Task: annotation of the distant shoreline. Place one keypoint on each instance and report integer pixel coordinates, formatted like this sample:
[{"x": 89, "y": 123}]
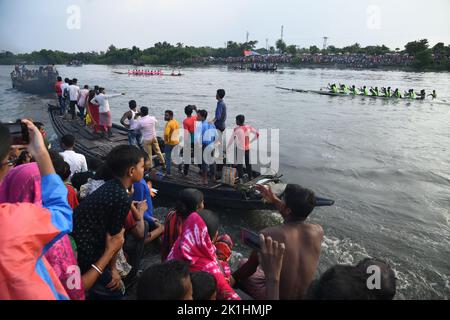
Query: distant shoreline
[{"x": 281, "y": 66}]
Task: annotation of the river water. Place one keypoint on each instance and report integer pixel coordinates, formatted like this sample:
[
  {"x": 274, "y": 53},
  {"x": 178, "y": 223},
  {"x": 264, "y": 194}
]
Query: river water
[{"x": 386, "y": 163}]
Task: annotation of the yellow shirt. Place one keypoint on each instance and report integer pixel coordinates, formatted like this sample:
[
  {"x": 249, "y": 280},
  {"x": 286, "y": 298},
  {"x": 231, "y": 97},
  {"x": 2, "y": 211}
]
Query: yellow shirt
[{"x": 171, "y": 132}]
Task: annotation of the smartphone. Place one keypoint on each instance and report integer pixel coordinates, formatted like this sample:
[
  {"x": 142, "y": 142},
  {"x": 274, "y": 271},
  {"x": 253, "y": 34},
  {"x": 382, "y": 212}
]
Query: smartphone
[
  {"x": 250, "y": 239},
  {"x": 19, "y": 133}
]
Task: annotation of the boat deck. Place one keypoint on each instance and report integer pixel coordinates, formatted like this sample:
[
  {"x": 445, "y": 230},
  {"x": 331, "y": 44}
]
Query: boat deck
[{"x": 95, "y": 147}]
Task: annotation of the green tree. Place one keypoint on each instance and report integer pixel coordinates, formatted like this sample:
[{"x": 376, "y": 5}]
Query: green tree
[
  {"x": 281, "y": 45},
  {"x": 314, "y": 49},
  {"x": 291, "y": 49},
  {"x": 413, "y": 48}
]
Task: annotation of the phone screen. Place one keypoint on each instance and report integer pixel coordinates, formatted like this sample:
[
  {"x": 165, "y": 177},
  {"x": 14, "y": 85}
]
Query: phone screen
[
  {"x": 250, "y": 239},
  {"x": 19, "y": 133}
]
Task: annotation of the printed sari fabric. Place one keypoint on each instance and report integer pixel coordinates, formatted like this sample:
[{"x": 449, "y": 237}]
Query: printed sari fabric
[{"x": 194, "y": 245}]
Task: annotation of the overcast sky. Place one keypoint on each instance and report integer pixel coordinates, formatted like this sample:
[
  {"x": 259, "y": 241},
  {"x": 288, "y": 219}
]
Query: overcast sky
[{"x": 27, "y": 25}]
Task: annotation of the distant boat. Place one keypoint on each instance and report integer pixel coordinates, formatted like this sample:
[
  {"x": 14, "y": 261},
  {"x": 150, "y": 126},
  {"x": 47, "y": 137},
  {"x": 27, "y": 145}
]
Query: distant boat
[
  {"x": 74, "y": 63},
  {"x": 36, "y": 82}
]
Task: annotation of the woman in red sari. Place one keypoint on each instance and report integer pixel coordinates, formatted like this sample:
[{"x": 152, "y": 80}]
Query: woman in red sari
[{"x": 93, "y": 112}]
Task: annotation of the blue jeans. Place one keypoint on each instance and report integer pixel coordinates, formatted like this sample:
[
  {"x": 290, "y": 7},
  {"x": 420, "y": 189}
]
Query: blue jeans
[
  {"x": 168, "y": 154},
  {"x": 135, "y": 139},
  {"x": 62, "y": 105},
  {"x": 81, "y": 113}
]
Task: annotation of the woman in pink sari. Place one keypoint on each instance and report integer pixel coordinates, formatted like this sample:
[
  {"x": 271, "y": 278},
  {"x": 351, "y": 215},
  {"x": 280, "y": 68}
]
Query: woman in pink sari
[
  {"x": 23, "y": 184},
  {"x": 195, "y": 246}
]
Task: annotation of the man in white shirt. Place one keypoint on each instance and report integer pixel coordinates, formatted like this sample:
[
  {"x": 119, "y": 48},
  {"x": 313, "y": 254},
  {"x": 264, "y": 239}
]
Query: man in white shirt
[
  {"x": 76, "y": 161},
  {"x": 74, "y": 91},
  {"x": 82, "y": 96},
  {"x": 147, "y": 126},
  {"x": 65, "y": 99},
  {"x": 104, "y": 111}
]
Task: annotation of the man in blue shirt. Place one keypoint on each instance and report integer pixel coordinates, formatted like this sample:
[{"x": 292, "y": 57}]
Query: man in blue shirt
[
  {"x": 206, "y": 135},
  {"x": 221, "y": 111}
]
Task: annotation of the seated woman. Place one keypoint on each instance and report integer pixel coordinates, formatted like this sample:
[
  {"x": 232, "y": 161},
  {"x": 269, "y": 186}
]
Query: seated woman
[
  {"x": 189, "y": 200},
  {"x": 195, "y": 245}
]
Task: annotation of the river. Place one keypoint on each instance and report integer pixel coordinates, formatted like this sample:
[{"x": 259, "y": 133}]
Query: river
[{"x": 386, "y": 163}]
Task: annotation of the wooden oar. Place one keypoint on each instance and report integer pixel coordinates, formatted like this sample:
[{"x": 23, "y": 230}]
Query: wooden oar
[{"x": 296, "y": 90}]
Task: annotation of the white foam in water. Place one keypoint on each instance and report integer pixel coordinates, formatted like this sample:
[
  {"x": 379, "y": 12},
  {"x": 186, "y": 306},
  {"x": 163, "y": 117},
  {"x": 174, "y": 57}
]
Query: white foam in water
[{"x": 343, "y": 251}]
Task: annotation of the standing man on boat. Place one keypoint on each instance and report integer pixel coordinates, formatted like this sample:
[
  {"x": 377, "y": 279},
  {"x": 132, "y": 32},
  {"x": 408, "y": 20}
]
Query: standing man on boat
[
  {"x": 171, "y": 137},
  {"x": 58, "y": 91},
  {"x": 64, "y": 95},
  {"x": 74, "y": 91},
  {"x": 241, "y": 135},
  {"x": 221, "y": 111},
  {"x": 206, "y": 136},
  {"x": 147, "y": 127},
  {"x": 82, "y": 97},
  {"x": 131, "y": 116},
  {"x": 189, "y": 130},
  {"x": 102, "y": 100}
]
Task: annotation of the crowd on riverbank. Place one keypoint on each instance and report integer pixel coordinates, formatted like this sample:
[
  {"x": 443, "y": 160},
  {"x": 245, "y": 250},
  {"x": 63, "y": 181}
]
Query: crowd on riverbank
[{"x": 86, "y": 227}]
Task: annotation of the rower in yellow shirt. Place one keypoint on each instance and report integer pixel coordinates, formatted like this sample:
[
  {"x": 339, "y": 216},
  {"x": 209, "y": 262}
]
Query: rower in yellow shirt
[{"x": 171, "y": 137}]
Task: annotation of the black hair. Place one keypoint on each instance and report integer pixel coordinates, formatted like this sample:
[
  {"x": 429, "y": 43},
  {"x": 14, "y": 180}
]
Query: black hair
[
  {"x": 104, "y": 172},
  {"x": 59, "y": 78},
  {"x": 163, "y": 281},
  {"x": 66, "y": 80},
  {"x": 388, "y": 283},
  {"x": 170, "y": 112},
  {"x": 96, "y": 87},
  {"x": 21, "y": 158},
  {"x": 240, "y": 119},
  {"x": 5, "y": 141},
  {"x": 300, "y": 200},
  {"x": 80, "y": 178},
  {"x": 70, "y": 82},
  {"x": 211, "y": 220},
  {"x": 39, "y": 125},
  {"x": 62, "y": 168},
  {"x": 204, "y": 285},
  {"x": 68, "y": 140},
  {"x": 188, "y": 110},
  {"x": 203, "y": 113},
  {"x": 86, "y": 86},
  {"x": 132, "y": 104},
  {"x": 94, "y": 164},
  {"x": 188, "y": 201},
  {"x": 74, "y": 80},
  {"x": 144, "y": 111},
  {"x": 221, "y": 93},
  {"x": 122, "y": 157},
  {"x": 100, "y": 89},
  {"x": 345, "y": 282}
]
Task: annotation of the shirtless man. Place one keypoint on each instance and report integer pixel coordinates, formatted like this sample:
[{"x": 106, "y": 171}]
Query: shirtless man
[{"x": 302, "y": 241}]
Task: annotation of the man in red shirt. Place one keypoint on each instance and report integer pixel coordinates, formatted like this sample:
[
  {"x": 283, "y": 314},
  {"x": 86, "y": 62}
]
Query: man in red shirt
[
  {"x": 242, "y": 136},
  {"x": 189, "y": 127},
  {"x": 59, "y": 92}
]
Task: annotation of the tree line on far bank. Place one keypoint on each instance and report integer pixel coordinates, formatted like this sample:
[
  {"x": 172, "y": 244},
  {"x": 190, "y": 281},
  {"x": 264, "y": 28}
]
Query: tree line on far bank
[{"x": 425, "y": 57}]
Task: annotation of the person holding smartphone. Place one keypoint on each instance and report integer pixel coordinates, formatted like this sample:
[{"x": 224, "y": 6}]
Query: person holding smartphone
[
  {"x": 24, "y": 273},
  {"x": 302, "y": 242}
]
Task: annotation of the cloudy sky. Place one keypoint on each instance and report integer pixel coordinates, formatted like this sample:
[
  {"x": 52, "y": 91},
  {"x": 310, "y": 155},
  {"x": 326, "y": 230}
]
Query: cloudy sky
[{"x": 85, "y": 25}]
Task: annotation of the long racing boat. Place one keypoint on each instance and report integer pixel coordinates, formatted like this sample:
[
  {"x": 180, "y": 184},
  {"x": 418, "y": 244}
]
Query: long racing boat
[{"x": 341, "y": 94}]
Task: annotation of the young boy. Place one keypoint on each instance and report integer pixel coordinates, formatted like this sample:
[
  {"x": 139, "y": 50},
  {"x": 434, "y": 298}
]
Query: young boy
[
  {"x": 104, "y": 211},
  {"x": 206, "y": 135},
  {"x": 242, "y": 136}
]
